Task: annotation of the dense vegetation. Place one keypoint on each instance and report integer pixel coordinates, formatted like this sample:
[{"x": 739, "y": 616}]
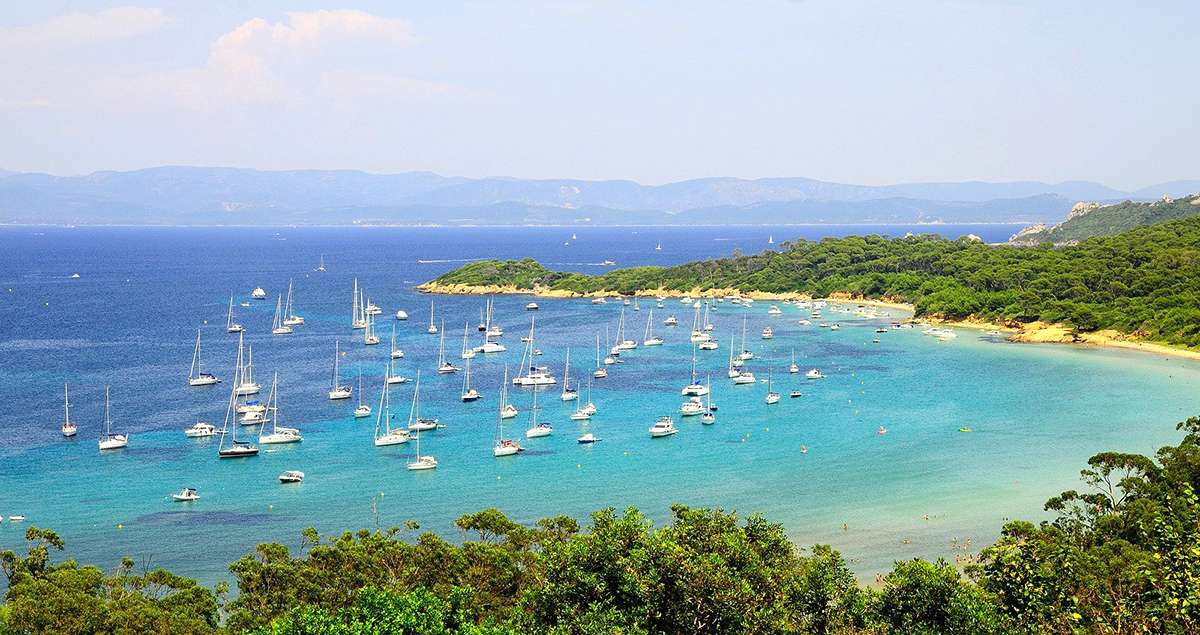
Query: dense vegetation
[
  {"x": 1123, "y": 556},
  {"x": 1145, "y": 281},
  {"x": 1112, "y": 219}
]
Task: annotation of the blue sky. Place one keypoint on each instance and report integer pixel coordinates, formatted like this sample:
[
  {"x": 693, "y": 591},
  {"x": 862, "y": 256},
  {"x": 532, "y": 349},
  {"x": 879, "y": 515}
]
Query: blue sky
[{"x": 862, "y": 92}]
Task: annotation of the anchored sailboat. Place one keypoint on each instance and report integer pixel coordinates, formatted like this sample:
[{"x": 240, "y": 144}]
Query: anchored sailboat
[
  {"x": 504, "y": 446},
  {"x": 235, "y": 449},
  {"x": 694, "y": 388},
  {"x": 277, "y": 325},
  {"x": 111, "y": 441},
  {"x": 396, "y": 352},
  {"x": 230, "y": 325},
  {"x": 416, "y": 422},
  {"x": 537, "y": 429},
  {"x": 568, "y": 393},
  {"x": 363, "y": 410},
  {"x": 444, "y": 365},
  {"x": 197, "y": 377},
  {"x": 650, "y": 339},
  {"x": 384, "y": 434},
  {"x": 601, "y": 372},
  {"x": 245, "y": 385},
  {"x": 358, "y": 317},
  {"x": 68, "y": 427},
  {"x": 469, "y": 393},
  {"x": 336, "y": 389},
  {"x": 278, "y": 433},
  {"x": 433, "y": 329},
  {"x": 289, "y": 310}
]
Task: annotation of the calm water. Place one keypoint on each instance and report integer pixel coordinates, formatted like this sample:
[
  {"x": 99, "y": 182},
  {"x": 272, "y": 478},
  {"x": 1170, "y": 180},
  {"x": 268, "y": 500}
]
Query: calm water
[{"x": 130, "y": 320}]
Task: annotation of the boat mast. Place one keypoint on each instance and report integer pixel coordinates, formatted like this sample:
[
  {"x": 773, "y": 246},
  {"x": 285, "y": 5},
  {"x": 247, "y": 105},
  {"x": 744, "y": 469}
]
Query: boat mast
[{"x": 195, "y": 369}]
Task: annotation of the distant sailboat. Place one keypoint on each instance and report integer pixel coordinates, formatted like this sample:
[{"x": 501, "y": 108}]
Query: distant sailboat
[
  {"x": 278, "y": 433},
  {"x": 600, "y": 372},
  {"x": 384, "y": 434},
  {"x": 336, "y": 389},
  {"x": 230, "y": 325},
  {"x": 415, "y": 421},
  {"x": 358, "y": 317},
  {"x": 534, "y": 375},
  {"x": 433, "y": 329},
  {"x": 396, "y": 352},
  {"x": 369, "y": 336},
  {"x": 504, "y": 446},
  {"x": 289, "y": 310},
  {"x": 467, "y": 352},
  {"x": 277, "y": 325},
  {"x": 694, "y": 388},
  {"x": 649, "y": 338},
  {"x": 321, "y": 267},
  {"x": 245, "y": 384},
  {"x": 444, "y": 365},
  {"x": 69, "y": 429},
  {"x": 469, "y": 393},
  {"x": 363, "y": 410},
  {"x": 111, "y": 441},
  {"x": 568, "y": 393},
  {"x": 235, "y": 449},
  {"x": 537, "y": 429},
  {"x": 772, "y": 396},
  {"x": 197, "y": 377}
]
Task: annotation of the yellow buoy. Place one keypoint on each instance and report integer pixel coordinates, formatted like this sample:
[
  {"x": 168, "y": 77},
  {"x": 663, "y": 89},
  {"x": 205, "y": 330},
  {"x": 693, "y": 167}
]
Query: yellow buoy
[{"x": 120, "y": 526}]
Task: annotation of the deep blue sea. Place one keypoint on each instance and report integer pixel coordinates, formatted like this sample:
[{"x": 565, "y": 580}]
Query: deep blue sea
[{"x": 129, "y": 321}]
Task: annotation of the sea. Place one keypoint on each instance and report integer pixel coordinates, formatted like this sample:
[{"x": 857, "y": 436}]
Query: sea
[{"x": 119, "y": 307}]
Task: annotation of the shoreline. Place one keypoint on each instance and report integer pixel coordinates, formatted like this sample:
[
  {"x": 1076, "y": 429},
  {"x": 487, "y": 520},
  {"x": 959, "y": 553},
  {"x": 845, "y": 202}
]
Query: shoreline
[{"x": 1032, "y": 333}]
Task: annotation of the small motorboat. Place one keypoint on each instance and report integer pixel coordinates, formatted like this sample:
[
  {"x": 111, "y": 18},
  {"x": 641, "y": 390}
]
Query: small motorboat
[
  {"x": 768, "y": 333},
  {"x": 16, "y": 519},
  {"x": 804, "y": 449},
  {"x": 587, "y": 438},
  {"x": 794, "y": 394},
  {"x": 671, "y": 320},
  {"x": 664, "y": 427},
  {"x": 814, "y": 374},
  {"x": 964, "y": 429},
  {"x": 258, "y": 294},
  {"x": 835, "y": 326},
  {"x": 708, "y": 418},
  {"x": 401, "y": 315},
  {"x": 532, "y": 306},
  {"x": 186, "y": 495},
  {"x": 200, "y": 429},
  {"x": 882, "y": 431},
  {"x": 291, "y": 476}
]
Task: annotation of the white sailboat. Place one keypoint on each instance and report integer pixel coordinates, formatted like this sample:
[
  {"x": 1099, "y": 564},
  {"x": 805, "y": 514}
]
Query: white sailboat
[
  {"x": 321, "y": 267},
  {"x": 235, "y": 449},
  {"x": 623, "y": 344},
  {"x": 433, "y": 329},
  {"x": 507, "y": 410},
  {"x": 336, "y": 389},
  {"x": 358, "y": 318},
  {"x": 369, "y": 336},
  {"x": 708, "y": 418},
  {"x": 734, "y": 364},
  {"x": 69, "y": 429},
  {"x": 568, "y": 393},
  {"x": 197, "y": 377},
  {"x": 534, "y": 375},
  {"x": 772, "y": 396},
  {"x": 245, "y": 384},
  {"x": 363, "y": 410},
  {"x": 694, "y": 388},
  {"x": 649, "y": 338},
  {"x": 503, "y": 446},
  {"x": 601, "y": 372},
  {"x": 278, "y": 433},
  {"x": 469, "y": 393},
  {"x": 746, "y": 353},
  {"x": 467, "y": 352},
  {"x": 793, "y": 368},
  {"x": 230, "y": 325},
  {"x": 110, "y": 441},
  {"x": 277, "y": 325},
  {"x": 289, "y": 310},
  {"x": 396, "y": 352},
  {"x": 391, "y": 377},
  {"x": 444, "y": 365},
  {"x": 537, "y": 429},
  {"x": 698, "y": 334},
  {"x": 384, "y": 434},
  {"x": 427, "y": 462},
  {"x": 417, "y": 423}
]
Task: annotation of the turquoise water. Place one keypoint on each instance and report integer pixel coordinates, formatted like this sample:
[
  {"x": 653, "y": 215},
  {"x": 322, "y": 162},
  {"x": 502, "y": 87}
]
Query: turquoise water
[{"x": 1037, "y": 412}]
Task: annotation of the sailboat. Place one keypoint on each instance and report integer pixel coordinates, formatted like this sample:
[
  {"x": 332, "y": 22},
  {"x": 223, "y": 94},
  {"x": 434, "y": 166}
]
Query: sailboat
[
  {"x": 537, "y": 429},
  {"x": 507, "y": 410},
  {"x": 534, "y": 375},
  {"x": 694, "y": 388},
  {"x": 444, "y": 365},
  {"x": 771, "y": 240},
  {"x": 321, "y": 267},
  {"x": 584, "y": 413},
  {"x": 468, "y": 353},
  {"x": 568, "y": 393},
  {"x": 289, "y": 310},
  {"x": 658, "y": 247},
  {"x": 196, "y": 377},
  {"x": 734, "y": 364},
  {"x": 68, "y": 427},
  {"x": 277, "y": 325},
  {"x": 433, "y": 329},
  {"x": 363, "y": 410},
  {"x": 649, "y": 338},
  {"x": 622, "y": 343},
  {"x": 393, "y": 378},
  {"x": 235, "y": 449},
  {"x": 246, "y": 384},
  {"x": 384, "y": 434},
  {"x": 416, "y": 422},
  {"x": 698, "y": 334},
  {"x": 230, "y": 325},
  {"x": 708, "y": 326},
  {"x": 336, "y": 389},
  {"x": 793, "y": 369},
  {"x": 278, "y": 433},
  {"x": 503, "y": 446},
  {"x": 111, "y": 441},
  {"x": 708, "y": 418},
  {"x": 369, "y": 336},
  {"x": 427, "y": 462},
  {"x": 772, "y": 396},
  {"x": 745, "y": 354},
  {"x": 469, "y": 393},
  {"x": 490, "y": 330},
  {"x": 358, "y": 317},
  {"x": 396, "y": 352},
  {"x": 601, "y": 372}
]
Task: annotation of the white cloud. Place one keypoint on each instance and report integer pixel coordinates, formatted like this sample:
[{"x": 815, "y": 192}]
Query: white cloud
[{"x": 81, "y": 29}]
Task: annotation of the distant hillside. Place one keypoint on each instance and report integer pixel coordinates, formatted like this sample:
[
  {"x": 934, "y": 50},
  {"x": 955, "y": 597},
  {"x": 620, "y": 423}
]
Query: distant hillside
[
  {"x": 1088, "y": 220},
  {"x": 234, "y": 196}
]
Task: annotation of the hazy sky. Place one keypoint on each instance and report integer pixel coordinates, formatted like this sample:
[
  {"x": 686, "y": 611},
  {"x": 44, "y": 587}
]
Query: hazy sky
[{"x": 862, "y": 92}]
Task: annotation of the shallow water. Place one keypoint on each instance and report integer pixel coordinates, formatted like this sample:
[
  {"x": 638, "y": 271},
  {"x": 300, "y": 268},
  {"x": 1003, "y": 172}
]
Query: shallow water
[{"x": 1037, "y": 412}]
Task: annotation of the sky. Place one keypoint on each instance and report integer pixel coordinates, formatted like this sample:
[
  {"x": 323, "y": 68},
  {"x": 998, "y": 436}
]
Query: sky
[{"x": 654, "y": 91}]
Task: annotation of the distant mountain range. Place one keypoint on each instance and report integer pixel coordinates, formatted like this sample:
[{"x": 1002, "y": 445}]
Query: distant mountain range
[{"x": 232, "y": 196}]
